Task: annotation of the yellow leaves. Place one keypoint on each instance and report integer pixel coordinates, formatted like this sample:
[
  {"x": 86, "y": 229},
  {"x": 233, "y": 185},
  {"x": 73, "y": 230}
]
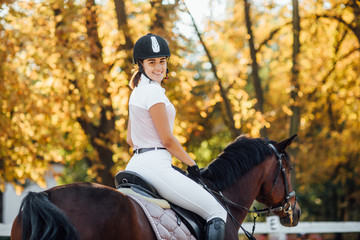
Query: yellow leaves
[
  {"x": 217, "y": 98},
  {"x": 192, "y": 155},
  {"x": 18, "y": 189},
  {"x": 348, "y": 15},
  {"x": 203, "y": 114},
  {"x": 287, "y": 110},
  {"x": 237, "y": 119},
  {"x": 53, "y": 59}
]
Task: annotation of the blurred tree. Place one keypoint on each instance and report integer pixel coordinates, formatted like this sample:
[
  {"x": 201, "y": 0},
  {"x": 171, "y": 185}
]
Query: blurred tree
[
  {"x": 254, "y": 63},
  {"x": 329, "y": 153},
  {"x": 229, "y": 116},
  {"x": 294, "y": 102}
]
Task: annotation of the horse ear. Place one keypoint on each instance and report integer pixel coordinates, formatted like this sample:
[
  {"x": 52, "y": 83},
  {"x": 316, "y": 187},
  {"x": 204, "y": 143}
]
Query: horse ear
[{"x": 283, "y": 145}]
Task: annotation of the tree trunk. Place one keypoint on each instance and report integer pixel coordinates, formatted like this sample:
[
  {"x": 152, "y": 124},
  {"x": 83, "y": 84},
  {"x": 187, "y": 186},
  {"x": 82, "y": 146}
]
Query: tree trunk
[
  {"x": 294, "y": 97},
  {"x": 100, "y": 134},
  {"x": 128, "y": 47},
  {"x": 101, "y": 137},
  {"x": 158, "y": 25},
  {"x": 255, "y": 67},
  {"x": 124, "y": 28}
]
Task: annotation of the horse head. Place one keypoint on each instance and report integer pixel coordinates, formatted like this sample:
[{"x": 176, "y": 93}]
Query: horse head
[
  {"x": 276, "y": 190},
  {"x": 254, "y": 168}
]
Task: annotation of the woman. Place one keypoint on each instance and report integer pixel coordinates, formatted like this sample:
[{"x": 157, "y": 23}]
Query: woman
[{"x": 151, "y": 120}]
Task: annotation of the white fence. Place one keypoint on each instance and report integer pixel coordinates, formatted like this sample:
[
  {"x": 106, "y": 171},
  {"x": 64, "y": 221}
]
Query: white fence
[
  {"x": 5, "y": 230},
  {"x": 272, "y": 225}
]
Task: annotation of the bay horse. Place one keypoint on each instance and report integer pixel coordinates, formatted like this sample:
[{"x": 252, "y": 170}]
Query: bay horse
[{"x": 247, "y": 169}]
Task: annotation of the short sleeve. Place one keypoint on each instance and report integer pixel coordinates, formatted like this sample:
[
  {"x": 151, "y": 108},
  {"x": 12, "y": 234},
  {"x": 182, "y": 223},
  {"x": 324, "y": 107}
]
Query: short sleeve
[{"x": 155, "y": 94}]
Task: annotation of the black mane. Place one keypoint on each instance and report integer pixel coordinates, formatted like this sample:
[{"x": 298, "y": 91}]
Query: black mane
[{"x": 237, "y": 158}]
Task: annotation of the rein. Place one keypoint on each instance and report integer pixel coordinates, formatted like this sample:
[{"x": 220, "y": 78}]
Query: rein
[{"x": 285, "y": 207}]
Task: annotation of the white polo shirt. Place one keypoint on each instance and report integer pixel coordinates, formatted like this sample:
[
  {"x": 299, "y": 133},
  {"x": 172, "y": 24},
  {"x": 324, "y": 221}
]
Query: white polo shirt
[{"x": 145, "y": 95}]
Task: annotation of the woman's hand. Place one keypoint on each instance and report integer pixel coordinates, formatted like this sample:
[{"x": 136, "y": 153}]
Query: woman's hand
[{"x": 194, "y": 173}]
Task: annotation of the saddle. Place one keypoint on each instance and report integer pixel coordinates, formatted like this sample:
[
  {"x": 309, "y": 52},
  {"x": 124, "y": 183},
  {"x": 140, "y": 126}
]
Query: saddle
[{"x": 129, "y": 179}]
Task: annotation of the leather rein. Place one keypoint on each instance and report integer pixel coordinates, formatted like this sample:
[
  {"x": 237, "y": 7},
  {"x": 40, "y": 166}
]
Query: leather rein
[{"x": 283, "y": 206}]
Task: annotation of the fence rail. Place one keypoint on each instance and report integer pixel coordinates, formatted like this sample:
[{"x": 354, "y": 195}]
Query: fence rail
[
  {"x": 5, "y": 230},
  {"x": 272, "y": 226}
]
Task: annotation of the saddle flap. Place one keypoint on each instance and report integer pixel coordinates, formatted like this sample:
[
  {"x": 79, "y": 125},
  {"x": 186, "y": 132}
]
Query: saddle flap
[{"x": 192, "y": 221}]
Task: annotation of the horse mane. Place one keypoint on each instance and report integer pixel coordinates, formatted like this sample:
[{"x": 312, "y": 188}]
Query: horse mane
[{"x": 237, "y": 158}]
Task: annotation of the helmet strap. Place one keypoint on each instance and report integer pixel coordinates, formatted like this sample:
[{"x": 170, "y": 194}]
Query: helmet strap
[{"x": 141, "y": 69}]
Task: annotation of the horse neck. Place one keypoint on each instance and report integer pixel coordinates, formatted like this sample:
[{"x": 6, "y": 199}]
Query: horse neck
[{"x": 244, "y": 191}]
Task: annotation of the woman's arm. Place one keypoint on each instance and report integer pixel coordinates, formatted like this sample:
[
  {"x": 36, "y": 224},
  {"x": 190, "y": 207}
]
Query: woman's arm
[
  {"x": 128, "y": 137},
  {"x": 160, "y": 119}
]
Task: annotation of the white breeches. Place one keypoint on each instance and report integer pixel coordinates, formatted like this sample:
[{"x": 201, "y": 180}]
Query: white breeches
[{"x": 155, "y": 167}]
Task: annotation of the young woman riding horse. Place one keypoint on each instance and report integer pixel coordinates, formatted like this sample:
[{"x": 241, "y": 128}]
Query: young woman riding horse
[
  {"x": 151, "y": 119},
  {"x": 247, "y": 169}
]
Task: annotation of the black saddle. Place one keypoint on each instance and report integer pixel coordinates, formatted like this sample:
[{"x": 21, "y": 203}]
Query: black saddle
[{"x": 137, "y": 183}]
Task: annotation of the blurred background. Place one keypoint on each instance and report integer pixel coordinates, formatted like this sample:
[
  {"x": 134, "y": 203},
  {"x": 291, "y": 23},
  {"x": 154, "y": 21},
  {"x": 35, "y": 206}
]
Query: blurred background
[{"x": 262, "y": 68}]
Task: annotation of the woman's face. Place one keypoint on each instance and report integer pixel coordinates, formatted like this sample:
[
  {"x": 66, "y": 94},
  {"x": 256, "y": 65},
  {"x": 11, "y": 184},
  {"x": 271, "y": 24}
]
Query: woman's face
[{"x": 155, "y": 68}]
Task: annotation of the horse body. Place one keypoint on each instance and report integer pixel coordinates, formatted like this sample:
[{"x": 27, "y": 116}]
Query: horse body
[
  {"x": 97, "y": 212},
  {"x": 100, "y": 212}
]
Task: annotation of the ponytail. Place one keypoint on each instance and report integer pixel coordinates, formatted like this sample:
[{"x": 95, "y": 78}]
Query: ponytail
[
  {"x": 134, "y": 81},
  {"x": 135, "y": 78}
]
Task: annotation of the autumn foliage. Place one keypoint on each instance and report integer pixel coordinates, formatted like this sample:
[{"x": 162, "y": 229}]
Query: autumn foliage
[{"x": 264, "y": 69}]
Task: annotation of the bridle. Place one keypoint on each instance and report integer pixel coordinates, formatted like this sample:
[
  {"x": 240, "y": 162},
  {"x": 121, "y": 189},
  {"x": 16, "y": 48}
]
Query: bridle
[{"x": 283, "y": 206}]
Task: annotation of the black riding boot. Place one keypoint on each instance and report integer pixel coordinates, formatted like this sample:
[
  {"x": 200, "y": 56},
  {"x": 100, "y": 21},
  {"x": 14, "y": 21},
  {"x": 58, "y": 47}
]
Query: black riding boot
[{"x": 215, "y": 229}]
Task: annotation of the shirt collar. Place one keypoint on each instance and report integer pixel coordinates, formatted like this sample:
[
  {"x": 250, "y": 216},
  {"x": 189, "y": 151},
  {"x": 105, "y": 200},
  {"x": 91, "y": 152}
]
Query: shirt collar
[{"x": 146, "y": 81}]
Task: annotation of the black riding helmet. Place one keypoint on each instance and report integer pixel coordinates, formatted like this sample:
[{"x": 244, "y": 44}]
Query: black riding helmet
[{"x": 150, "y": 46}]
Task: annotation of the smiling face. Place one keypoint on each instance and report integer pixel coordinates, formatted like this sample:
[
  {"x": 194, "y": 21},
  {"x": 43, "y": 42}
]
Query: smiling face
[{"x": 155, "y": 68}]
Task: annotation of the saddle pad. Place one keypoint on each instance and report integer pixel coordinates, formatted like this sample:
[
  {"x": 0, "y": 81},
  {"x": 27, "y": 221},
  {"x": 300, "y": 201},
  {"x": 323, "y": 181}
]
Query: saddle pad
[
  {"x": 166, "y": 225},
  {"x": 161, "y": 202}
]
